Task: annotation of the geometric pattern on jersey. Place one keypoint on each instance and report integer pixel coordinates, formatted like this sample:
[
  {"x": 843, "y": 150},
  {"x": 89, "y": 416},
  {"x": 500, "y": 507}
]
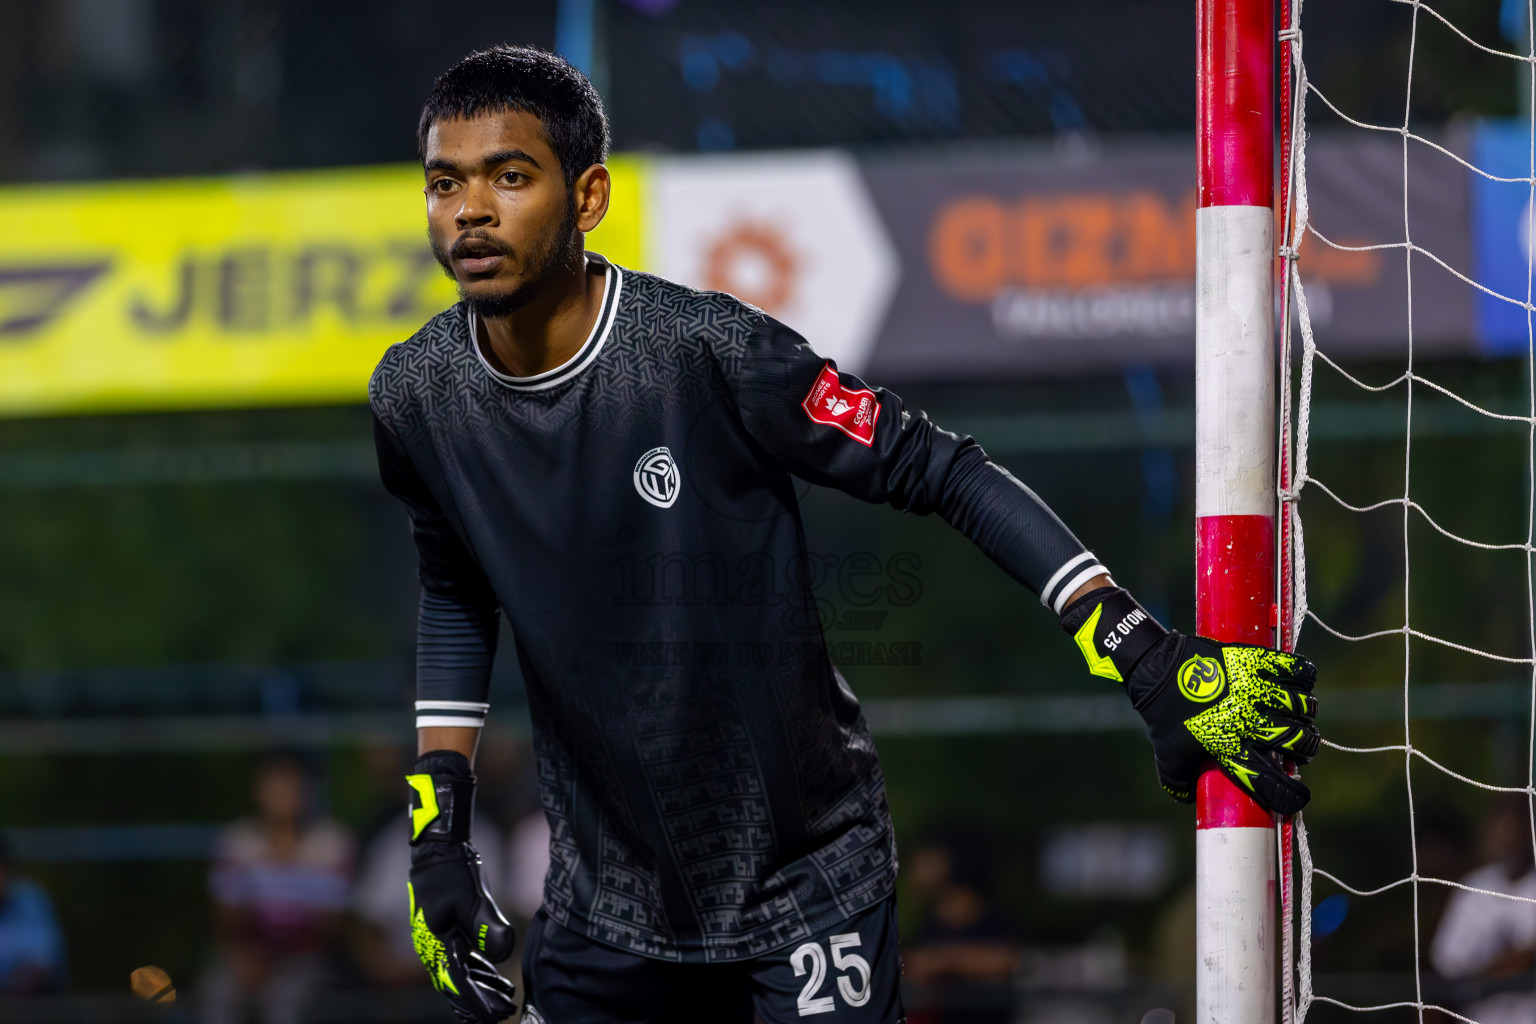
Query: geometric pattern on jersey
[
  {"x": 711, "y": 786},
  {"x": 699, "y": 812}
]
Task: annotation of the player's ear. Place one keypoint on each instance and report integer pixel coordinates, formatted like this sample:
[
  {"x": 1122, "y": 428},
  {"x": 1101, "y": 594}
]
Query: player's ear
[{"x": 590, "y": 194}]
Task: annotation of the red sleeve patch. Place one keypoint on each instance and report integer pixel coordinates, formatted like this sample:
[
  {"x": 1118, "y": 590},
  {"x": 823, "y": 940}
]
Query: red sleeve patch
[{"x": 854, "y": 412}]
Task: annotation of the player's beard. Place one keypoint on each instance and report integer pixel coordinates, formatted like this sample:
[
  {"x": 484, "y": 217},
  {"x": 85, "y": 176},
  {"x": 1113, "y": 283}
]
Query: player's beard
[{"x": 546, "y": 256}]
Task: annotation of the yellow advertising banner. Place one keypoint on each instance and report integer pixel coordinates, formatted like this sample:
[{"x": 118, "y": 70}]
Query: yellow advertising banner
[{"x": 268, "y": 289}]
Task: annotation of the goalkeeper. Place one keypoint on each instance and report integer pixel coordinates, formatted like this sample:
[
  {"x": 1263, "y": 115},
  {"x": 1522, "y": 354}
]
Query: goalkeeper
[{"x": 607, "y": 459}]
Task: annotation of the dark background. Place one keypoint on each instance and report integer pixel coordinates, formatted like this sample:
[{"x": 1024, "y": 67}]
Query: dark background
[
  {"x": 132, "y": 88},
  {"x": 283, "y": 597}
]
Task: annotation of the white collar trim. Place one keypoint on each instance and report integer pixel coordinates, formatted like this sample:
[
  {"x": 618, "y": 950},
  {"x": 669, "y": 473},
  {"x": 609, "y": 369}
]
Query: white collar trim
[{"x": 613, "y": 284}]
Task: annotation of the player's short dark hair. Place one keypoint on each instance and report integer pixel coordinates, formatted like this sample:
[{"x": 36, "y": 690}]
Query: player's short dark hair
[{"x": 531, "y": 80}]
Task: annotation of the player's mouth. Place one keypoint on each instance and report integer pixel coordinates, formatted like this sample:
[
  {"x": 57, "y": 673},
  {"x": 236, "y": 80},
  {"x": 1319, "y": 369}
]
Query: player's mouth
[
  {"x": 477, "y": 256},
  {"x": 480, "y": 264}
]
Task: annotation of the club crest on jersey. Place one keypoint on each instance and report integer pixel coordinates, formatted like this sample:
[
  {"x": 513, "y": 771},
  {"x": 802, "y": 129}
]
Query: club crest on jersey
[
  {"x": 656, "y": 477},
  {"x": 854, "y": 412}
]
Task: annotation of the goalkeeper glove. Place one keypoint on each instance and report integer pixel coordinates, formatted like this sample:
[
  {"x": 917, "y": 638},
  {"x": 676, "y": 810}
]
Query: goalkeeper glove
[
  {"x": 457, "y": 930},
  {"x": 1244, "y": 707}
]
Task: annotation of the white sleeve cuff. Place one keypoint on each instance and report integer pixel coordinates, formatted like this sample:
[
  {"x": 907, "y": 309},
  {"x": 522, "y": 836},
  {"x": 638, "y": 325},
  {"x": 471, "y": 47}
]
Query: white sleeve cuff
[
  {"x": 1065, "y": 581},
  {"x": 461, "y": 713}
]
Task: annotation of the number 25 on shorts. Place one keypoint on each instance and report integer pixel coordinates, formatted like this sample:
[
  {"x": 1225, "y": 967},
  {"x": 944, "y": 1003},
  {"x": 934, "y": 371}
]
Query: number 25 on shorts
[{"x": 811, "y": 957}]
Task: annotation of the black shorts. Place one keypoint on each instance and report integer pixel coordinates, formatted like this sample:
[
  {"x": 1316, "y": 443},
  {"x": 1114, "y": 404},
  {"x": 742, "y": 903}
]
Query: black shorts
[{"x": 849, "y": 974}]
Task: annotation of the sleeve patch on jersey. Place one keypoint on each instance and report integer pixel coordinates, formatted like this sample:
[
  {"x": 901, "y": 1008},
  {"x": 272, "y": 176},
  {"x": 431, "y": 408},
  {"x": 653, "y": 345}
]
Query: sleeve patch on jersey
[{"x": 854, "y": 412}]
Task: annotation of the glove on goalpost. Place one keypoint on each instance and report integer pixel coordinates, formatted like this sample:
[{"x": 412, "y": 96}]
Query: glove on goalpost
[
  {"x": 1244, "y": 707},
  {"x": 455, "y": 925}
]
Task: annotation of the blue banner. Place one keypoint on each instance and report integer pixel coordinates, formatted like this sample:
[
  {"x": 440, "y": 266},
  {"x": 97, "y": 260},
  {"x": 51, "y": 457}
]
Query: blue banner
[{"x": 1501, "y": 235}]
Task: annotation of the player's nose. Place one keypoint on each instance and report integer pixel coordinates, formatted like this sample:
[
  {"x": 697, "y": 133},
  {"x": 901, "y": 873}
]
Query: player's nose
[{"x": 476, "y": 210}]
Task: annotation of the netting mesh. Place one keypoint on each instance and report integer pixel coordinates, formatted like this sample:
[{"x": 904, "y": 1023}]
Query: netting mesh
[{"x": 1305, "y": 356}]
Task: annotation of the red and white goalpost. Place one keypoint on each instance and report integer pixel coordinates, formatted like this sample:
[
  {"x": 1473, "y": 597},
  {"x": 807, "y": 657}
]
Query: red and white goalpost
[{"x": 1236, "y": 937}]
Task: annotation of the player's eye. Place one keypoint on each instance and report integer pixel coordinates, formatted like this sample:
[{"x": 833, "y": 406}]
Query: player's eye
[
  {"x": 513, "y": 178},
  {"x": 442, "y": 186}
]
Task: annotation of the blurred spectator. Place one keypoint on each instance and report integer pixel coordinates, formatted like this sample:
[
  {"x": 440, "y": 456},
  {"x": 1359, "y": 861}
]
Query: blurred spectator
[
  {"x": 1444, "y": 836},
  {"x": 31, "y": 945},
  {"x": 1444, "y": 841},
  {"x": 279, "y": 885},
  {"x": 964, "y": 945},
  {"x": 1486, "y": 937},
  {"x": 378, "y": 937}
]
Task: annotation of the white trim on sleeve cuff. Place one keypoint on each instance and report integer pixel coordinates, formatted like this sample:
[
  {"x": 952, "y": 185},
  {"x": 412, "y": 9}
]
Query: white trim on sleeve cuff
[
  {"x": 453, "y": 705},
  {"x": 1064, "y": 581},
  {"x": 1070, "y": 587}
]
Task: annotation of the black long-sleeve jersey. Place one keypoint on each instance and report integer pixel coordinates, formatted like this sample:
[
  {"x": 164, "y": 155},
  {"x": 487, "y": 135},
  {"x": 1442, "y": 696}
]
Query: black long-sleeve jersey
[{"x": 711, "y": 787}]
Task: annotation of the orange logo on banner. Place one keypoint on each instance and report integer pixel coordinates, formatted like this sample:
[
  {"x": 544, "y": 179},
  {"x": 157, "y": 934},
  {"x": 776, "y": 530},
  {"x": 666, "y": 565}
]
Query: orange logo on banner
[
  {"x": 980, "y": 245},
  {"x": 754, "y": 263}
]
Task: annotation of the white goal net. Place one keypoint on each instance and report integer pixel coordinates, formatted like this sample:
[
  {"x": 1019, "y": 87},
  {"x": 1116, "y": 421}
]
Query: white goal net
[{"x": 1413, "y": 577}]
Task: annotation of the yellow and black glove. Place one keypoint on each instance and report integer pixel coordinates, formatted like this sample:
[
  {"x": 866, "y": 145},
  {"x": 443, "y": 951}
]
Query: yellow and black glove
[
  {"x": 1242, "y": 706},
  {"x": 456, "y": 927}
]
